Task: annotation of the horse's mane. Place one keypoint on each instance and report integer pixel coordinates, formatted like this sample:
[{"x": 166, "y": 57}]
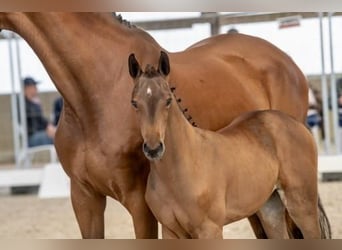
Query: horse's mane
[
  {"x": 151, "y": 72},
  {"x": 123, "y": 21}
]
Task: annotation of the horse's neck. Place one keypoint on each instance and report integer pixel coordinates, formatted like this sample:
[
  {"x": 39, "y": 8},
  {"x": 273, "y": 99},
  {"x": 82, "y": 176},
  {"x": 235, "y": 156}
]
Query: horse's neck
[
  {"x": 58, "y": 39},
  {"x": 85, "y": 55}
]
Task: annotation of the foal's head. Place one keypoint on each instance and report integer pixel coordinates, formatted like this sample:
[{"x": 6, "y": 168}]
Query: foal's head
[{"x": 151, "y": 98}]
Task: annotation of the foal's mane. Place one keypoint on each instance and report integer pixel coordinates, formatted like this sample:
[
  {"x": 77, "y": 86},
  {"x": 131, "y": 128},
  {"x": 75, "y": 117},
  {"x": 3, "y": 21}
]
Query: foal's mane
[{"x": 151, "y": 72}]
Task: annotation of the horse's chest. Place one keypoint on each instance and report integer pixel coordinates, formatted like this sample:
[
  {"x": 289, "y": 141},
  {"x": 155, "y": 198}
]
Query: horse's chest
[
  {"x": 173, "y": 206},
  {"x": 159, "y": 197},
  {"x": 109, "y": 174},
  {"x": 168, "y": 211}
]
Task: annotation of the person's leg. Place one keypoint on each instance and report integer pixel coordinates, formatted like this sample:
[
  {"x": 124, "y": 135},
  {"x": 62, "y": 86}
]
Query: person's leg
[{"x": 39, "y": 138}]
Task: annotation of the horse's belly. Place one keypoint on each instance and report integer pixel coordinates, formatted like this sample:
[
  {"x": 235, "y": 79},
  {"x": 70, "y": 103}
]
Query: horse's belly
[{"x": 247, "y": 198}]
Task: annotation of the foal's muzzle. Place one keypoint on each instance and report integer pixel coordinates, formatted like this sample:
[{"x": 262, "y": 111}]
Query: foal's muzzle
[{"x": 154, "y": 153}]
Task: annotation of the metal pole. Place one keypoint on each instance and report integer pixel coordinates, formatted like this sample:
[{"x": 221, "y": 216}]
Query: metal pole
[
  {"x": 14, "y": 105},
  {"x": 325, "y": 103},
  {"x": 215, "y": 26},
  {"x": 22, "y": 108},
  {"x": 333, "y": 89}
]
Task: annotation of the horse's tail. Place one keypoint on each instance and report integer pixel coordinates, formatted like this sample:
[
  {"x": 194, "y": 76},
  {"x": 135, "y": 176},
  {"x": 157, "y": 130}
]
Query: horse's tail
[
  {"x": 323, "y": 222},
  {"x": 295, "y": 233}
]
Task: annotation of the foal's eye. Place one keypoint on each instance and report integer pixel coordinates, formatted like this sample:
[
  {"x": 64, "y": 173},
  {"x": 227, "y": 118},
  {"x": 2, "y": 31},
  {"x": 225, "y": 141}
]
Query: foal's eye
[
  {"x": 134, "y": 104},
  {"x": 168, "y": 102}
]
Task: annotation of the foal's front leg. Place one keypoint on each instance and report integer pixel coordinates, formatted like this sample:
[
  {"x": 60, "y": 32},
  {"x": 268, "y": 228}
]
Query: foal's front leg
[{"x": 208, "y": 230}]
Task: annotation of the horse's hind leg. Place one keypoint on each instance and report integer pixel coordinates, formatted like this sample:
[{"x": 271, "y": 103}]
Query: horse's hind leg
[
  {"x": 302, "y": 205},
  {"x": 272, "y": 218},
  {"x": 269, "y": 221},
  {"x": 257, "y": 227}
]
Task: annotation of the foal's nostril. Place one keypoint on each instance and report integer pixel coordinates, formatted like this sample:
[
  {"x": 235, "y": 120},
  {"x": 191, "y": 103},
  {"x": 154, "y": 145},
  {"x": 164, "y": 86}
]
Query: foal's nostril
[{"x": 153, "y": 153}]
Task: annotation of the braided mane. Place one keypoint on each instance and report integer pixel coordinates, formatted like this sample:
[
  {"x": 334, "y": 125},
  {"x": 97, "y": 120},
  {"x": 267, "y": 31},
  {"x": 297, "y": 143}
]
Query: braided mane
[
  {"x": 150, "y": 72},
  {"x": 123, "y": 21}
]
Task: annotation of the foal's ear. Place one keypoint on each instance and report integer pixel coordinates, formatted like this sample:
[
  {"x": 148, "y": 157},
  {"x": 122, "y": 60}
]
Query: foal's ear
[
  {"x": 134, "y": 67},
  {"x": 164, "y": 64}
]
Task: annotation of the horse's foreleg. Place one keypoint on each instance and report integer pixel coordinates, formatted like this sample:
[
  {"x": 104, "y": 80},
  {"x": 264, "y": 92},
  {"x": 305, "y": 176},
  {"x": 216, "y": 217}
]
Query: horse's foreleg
[
  {"x": 145, "y": 224},
  {"x": 89, "y": 208}
]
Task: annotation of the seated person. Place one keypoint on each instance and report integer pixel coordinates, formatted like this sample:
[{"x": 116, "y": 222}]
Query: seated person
[{"x": 39, "y": 130}]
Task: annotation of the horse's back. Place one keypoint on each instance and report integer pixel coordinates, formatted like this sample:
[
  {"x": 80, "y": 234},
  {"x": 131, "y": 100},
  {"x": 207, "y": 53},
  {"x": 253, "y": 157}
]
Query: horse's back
[
  {"x": 279, "y": 134},
  {"x": 287, "y": 130},
  {"x": 296, "y": 146},
  {"x": 249, "y": 74}
]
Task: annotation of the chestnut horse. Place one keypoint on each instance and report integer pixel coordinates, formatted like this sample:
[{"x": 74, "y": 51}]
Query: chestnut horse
[
  {"x": 201, "y": 180},
  {"x": 98, "y": 141}
]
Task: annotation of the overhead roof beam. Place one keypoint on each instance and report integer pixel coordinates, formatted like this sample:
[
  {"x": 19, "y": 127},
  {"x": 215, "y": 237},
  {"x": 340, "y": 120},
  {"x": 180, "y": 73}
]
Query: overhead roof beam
[{"x": 223, "y": 19}]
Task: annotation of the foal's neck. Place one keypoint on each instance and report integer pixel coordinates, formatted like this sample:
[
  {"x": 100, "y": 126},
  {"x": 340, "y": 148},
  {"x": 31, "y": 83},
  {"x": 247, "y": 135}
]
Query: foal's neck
[{"x": 179, "y": 136}]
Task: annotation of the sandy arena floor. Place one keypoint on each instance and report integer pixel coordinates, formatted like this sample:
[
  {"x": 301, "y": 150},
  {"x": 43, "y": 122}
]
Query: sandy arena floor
[{"x": 27, "y": 216}]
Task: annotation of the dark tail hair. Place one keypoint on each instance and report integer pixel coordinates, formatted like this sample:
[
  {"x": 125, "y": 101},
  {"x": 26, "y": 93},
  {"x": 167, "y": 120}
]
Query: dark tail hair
[{"x": 323, "y": 221}]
